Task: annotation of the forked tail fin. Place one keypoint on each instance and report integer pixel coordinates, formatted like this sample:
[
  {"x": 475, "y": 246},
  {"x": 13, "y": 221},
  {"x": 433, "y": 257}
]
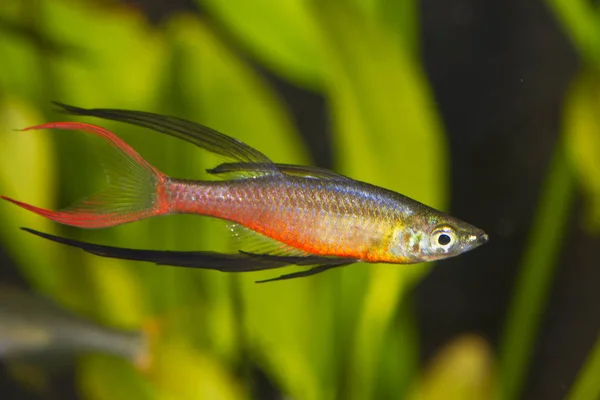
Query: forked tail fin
[{"x": 136, "y": 189}]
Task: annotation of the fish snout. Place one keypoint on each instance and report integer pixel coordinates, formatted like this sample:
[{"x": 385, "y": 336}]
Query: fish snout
[
  {"x": 482, "y": 238},
  {"x": 474, "y": 239}
]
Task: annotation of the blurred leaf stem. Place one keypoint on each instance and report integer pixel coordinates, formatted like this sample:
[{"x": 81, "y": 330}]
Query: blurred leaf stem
[
  {"x": 535, "y": 274},
  {"x": 579, "y": 19},
  {"x": 587, "y": 385}
]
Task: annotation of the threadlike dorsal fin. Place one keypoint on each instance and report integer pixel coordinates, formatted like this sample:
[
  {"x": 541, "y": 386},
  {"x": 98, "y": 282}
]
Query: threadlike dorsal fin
[
  {"x": 200, "y": 135},
  {"x": 242, "y": 169}
]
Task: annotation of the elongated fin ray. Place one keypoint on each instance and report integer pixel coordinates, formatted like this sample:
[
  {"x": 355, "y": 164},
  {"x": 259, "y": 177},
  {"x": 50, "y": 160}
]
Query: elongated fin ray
[
  {"x": 242, "y": 262},
  {"x": 301, "y": 274},
  {"x": 200, "y": 135},
  {"x": 242, "y": 169}
]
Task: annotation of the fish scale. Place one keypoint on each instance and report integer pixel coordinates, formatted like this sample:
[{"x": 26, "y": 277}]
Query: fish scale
[{"x": 327, "y": 218}]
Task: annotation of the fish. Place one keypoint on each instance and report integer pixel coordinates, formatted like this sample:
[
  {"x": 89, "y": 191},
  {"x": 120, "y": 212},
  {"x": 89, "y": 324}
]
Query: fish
[
  {"x": 34, "y": 328},
  {"x": 310, "y": 216}
]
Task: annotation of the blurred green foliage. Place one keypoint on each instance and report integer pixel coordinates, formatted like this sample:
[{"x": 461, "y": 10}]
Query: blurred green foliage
[
  {"x": 344, "y": 334},
  {"x": 580, "y": 21},
  {"x": 535, "y": 274},
  {"x": 576, "y": 155}
]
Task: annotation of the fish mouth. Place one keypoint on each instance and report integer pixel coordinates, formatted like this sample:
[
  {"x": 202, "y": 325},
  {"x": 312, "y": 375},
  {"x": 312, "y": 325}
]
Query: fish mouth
[
  {"x": 477, "y": 239},
  {"x": 482, "y": 238}
]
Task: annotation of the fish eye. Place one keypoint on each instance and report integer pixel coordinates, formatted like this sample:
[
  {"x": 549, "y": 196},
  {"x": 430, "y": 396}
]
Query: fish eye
[{"x": 443, "y": 238}]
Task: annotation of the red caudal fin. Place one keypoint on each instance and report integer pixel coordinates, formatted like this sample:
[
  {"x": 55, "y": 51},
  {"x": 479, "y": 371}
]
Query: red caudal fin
[{"x": 136, "y": 189}]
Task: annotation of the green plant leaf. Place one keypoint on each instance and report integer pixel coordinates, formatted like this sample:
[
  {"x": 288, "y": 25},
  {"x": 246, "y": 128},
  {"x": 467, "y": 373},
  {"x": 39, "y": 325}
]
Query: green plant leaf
[
  {"x": 399, "y": 16},
  {"x": 582, "y": 138},
  {"x": 27, "y": 173},
  {"x": 118, "y": 62},
  {"x": 280, "y": 34},
  {"x": 587, "y": 385},
  {"x": 402, "y": 17},
  {"x": 196, "y": 375},
  {"x": 580, "y": 21},
  {"x": 102, "y": 377},
  {"x": 22, "y": 74},
  {"x": 463, "y": 369},
  {"x": 535, "y": 273}
]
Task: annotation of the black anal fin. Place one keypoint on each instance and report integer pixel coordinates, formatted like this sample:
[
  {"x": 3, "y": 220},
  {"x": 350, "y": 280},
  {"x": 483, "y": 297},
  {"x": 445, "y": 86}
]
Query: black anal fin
[{"x": 241, "y": 262}]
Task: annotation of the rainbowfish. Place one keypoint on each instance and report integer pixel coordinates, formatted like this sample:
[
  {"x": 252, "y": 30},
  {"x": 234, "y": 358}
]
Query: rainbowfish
[
  {"x": 314, "y": 217},
  {"x": 32, "y": 327}
]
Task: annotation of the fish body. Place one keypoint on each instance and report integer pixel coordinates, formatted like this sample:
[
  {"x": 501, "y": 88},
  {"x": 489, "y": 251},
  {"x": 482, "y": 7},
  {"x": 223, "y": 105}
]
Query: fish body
[
  {"x": 32, "y": 327},
  {"x": 343, "y": 218},
  {"x": 329, "y": 218},
  {"x": 314, "y": 216}
]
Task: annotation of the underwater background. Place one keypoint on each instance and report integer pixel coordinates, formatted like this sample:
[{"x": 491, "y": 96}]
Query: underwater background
[{"x": 485, "y": 109}]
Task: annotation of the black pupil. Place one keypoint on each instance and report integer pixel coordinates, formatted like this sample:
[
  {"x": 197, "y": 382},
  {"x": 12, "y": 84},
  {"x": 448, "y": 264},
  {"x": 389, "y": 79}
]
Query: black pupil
[{"x": 444, "y": 239}]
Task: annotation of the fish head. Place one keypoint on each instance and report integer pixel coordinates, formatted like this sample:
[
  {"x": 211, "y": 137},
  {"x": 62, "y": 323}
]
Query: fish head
[{"x": 435, "y": 236}]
